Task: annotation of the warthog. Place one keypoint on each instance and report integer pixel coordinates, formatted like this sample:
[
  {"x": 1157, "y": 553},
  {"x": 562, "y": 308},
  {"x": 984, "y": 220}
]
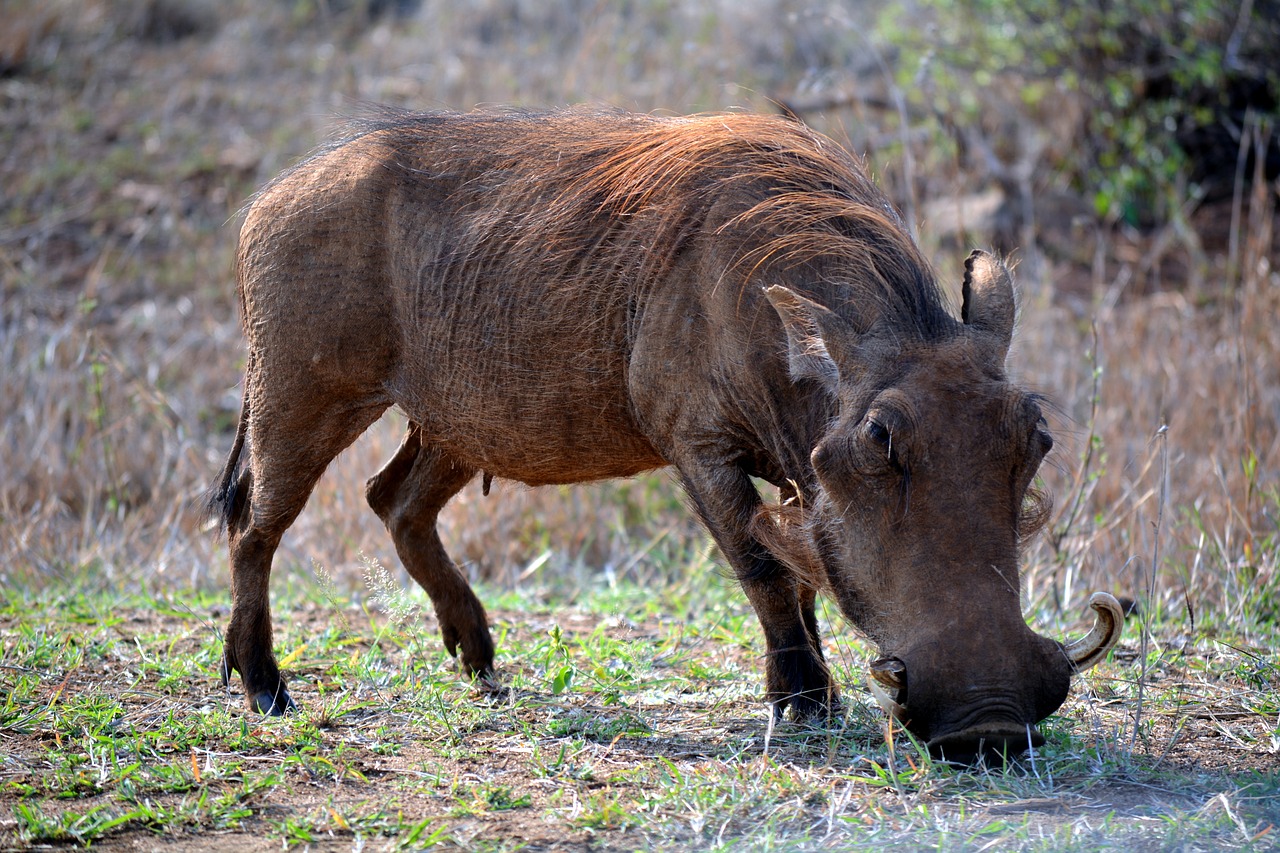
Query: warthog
[{"x": 577, "y": 295}]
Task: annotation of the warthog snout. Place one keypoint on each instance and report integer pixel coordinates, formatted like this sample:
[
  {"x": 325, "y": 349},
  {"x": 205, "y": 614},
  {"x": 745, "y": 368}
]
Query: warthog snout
[{"x": 997, "y": 703}]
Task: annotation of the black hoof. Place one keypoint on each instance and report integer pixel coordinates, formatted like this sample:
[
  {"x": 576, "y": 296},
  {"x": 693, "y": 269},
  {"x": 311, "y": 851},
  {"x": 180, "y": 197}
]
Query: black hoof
[
  {"x": 274, "y": 704},
  {"x": 809, "y": 707},
  {"x": 488, "y": 689}
]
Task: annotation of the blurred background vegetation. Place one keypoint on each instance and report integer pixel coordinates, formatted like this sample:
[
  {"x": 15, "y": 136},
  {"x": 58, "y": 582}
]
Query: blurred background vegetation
[
  {"x": 1124, "y": 153},
  {"x": 1168, "y": 92}
]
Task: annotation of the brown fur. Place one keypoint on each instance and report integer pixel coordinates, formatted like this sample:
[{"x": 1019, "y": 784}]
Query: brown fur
[{"x": 567, "y": 296}]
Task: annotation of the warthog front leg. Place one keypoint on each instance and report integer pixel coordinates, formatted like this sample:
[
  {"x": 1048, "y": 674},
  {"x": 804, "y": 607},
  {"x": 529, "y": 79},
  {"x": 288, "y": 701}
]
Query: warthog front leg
[
  {"x": 796, "y": 674},
  {"x": 408, "y": 495}
]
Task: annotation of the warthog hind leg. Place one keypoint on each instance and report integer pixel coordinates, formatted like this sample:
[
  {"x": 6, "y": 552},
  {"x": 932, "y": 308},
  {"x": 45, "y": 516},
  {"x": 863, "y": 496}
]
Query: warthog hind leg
[
  {"x": 408, "y": 494},
  {"x": 289, "y": 451}
]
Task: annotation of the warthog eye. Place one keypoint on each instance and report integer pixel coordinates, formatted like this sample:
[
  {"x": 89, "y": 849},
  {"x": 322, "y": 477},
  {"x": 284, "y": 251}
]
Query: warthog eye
[
  {"x": 1046, "y": 441},
  {"x": 878, "y": 433},
  {"x": 882, "y": 443},
  {"x": 1041, "y": 434}
]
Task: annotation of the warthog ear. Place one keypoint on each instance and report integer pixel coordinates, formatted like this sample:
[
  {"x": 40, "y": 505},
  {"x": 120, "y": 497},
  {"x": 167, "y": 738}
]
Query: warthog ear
[
  {"x": 818, "y": 340},
  {"x": 988, "y": 305}
]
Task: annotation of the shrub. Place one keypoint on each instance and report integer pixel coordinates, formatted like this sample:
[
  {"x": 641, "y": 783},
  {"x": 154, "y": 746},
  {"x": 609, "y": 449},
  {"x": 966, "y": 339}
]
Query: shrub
[{"x": 1167, "y": 88}]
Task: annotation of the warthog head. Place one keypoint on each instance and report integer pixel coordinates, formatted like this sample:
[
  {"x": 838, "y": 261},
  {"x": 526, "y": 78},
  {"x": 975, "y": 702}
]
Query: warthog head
[{"x": 923, "y": 495}]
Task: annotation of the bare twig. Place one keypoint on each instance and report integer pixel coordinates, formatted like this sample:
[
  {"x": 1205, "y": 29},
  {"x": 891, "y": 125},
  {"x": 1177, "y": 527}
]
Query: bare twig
[{"x": 1145, "y": 642}]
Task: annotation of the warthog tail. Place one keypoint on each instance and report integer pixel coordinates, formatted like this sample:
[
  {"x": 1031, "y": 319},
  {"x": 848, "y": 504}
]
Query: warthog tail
[{"x": 220, "y": 501}]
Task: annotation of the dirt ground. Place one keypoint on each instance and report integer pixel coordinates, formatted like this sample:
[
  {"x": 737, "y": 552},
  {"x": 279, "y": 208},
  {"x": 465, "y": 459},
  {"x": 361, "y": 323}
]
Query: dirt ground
[{"x": 1196, "y": 759}]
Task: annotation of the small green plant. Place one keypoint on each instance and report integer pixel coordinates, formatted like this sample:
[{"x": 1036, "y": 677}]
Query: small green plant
[
  {"x": 559, "y": 662},
  {"x": 35, "y": 827}
]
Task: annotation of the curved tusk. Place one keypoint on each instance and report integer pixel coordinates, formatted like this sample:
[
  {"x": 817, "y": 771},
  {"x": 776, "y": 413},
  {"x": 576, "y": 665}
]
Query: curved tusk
[
  {"x": 889, "y": 672},
  {"x": 885, "y": 683},
  {"x": 1108, "y": 626},
  {"x": 887, "y": 703}
]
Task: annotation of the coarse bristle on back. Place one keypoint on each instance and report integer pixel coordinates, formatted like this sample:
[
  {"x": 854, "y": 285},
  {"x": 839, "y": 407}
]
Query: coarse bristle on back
[{"x": 593, "y": 192}]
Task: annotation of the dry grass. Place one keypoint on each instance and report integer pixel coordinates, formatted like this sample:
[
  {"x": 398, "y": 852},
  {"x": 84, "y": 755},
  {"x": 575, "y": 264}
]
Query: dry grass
[
  {"x": 127, "y": 151},
  {"x": 131, "y": 131}
]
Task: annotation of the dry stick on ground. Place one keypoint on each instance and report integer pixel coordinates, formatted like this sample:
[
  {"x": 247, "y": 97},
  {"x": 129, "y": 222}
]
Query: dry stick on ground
[
  {"x": 1161, "y": 436},
  {"x": 1082, "y": 487},
  {"x": 1257, "y": 250},
  {"x": 1081, "y": 490}
]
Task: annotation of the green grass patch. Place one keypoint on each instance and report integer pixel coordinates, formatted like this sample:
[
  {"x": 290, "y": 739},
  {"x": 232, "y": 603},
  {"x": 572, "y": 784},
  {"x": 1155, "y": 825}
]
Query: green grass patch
[{"x": 630, "y": 713}]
